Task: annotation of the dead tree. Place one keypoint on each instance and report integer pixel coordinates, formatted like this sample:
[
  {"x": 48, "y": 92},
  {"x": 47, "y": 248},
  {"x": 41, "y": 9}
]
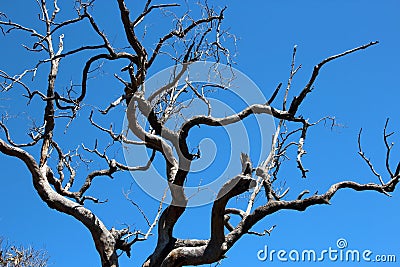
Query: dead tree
[
  {"x": 193, "y": 38},
  {"x": 13, "y": 256}
]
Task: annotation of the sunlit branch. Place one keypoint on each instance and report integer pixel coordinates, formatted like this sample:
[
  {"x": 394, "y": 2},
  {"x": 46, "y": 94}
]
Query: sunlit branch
[{"x": 294, "y": 105}]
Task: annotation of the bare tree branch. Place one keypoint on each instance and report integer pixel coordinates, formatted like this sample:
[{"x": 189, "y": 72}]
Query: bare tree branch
[
  {"x": 294, "y": 105},
  {"x": 193, "y": 36},
  {"x": 361, "y": 153}
]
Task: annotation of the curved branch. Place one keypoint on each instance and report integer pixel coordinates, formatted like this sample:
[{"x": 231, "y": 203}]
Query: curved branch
[
  {"x": 104, "y": 241},
  {"x": 147, "y": 10},
  {"x": 171, "y": 84},
  {"x": 196, "y": 252},
  {"x": 302, "y": 204},
  {"x": 307, "y": 89},
  {"x": 93, "y": 59},
  {"x": 9, "y": 139},
  {"x": 20, "y": 27}
]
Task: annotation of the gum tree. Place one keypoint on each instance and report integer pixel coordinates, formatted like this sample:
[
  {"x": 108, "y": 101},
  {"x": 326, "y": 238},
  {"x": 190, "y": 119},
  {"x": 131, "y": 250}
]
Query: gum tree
[{"x": 194, "y": 36}]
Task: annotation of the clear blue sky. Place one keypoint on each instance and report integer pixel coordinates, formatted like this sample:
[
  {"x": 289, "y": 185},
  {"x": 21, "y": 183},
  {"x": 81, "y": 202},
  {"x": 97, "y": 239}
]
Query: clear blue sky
[{"x": 360, "y": 90}]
